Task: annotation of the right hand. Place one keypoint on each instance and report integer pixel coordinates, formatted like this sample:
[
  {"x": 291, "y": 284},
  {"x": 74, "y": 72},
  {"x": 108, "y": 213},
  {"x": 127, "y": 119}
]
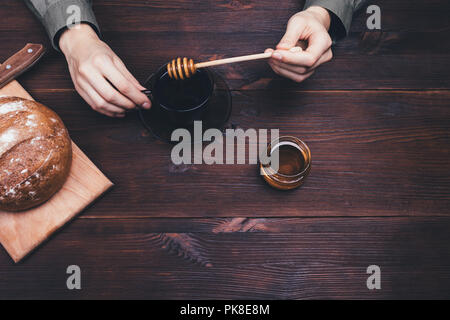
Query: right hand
[
  {"x": 99, "y": 75},
  {"x": 310, "y": 26}
]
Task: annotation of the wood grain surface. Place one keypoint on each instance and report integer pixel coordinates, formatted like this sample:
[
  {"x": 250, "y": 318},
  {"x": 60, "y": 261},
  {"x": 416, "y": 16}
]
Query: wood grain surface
[
  {"x": 238, "y": 259},
  {"x": 22, "y": 232},
  {"x": 377, "y": 121}
]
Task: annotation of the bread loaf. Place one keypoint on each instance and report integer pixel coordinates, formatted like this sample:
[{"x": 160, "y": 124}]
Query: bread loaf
[{"x": 35, "y": 154}]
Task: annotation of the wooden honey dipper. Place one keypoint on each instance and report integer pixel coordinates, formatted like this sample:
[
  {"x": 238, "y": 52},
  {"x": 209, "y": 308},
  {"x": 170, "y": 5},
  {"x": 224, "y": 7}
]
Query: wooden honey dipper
[{"x": 182, "y": 68}]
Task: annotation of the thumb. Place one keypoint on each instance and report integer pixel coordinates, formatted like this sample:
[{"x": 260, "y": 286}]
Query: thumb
[{"x": 292, "y": 35}]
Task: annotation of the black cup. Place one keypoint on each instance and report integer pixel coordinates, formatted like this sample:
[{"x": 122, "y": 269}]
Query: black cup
[{"x": 182, "y": 101}]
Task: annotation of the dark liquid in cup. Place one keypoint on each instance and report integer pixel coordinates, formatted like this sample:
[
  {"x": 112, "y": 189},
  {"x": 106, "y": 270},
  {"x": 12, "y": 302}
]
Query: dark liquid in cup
[
  {"x": 183, "y": 94},
  {"x": 292, "y": 160}
]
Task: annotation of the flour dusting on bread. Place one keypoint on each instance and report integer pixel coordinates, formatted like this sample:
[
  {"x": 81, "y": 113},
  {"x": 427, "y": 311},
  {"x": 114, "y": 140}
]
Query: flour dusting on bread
[
  {"x": 35, "y": 154},
  {"x": 14, "y": 106}
]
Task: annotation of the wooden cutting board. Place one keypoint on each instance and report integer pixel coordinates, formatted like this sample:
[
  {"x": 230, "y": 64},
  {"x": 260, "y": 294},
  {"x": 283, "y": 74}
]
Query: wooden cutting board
[{"x": 21, "y": 232}]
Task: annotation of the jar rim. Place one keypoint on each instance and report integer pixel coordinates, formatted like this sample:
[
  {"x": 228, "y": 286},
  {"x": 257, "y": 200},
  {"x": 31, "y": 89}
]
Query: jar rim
[{"x": 303, "y": 148}]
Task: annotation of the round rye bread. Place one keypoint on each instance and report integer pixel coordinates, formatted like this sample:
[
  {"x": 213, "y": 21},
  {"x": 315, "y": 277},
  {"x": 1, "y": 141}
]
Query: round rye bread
[{"x": 35, "y": 154}]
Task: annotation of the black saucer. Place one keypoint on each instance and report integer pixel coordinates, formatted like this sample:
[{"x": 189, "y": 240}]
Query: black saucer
[{"x": 216, "y": 116}]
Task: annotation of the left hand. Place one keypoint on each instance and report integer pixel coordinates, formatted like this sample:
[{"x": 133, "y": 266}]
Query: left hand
[
  {"x": 292, "y": 62},
  {"x": 99, "y": 75}
]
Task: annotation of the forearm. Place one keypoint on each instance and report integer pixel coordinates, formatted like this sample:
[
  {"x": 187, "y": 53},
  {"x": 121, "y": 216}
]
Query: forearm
[
  {"x": 341, "y": 13},
  {"x": 321, "y": 14},
  {"x": 71, "y": 38},
  {"x": 56, "y": 14}
]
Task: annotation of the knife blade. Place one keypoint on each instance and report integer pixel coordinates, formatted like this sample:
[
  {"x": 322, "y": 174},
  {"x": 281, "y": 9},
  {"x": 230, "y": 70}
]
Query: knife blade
[{"x": 20, "y": 62}]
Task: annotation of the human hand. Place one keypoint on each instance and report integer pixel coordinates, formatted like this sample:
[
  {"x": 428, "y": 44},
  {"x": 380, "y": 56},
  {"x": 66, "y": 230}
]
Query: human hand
[
  {"x": 99, "y": 75},
  {"x": 292, "y": 62}
]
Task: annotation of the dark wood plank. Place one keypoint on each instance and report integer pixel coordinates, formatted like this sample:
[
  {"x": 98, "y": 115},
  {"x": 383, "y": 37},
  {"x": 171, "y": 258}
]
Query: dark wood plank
[
  {"x": 325, "y": 258},
  {"x": 372, "y": 61},
  {"x": 410, "y": 55},
  {"x": 389, "y": 65},
  {"x": 235, "y": 15},
  {"x": 405, "y": 18},
  {"x": 248, "y": 5},
  {"x": 374, "y": 153}
]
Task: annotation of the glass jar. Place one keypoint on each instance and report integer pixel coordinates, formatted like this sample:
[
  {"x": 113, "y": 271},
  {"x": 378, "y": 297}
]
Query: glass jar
[{"x": 294, "y": 163}]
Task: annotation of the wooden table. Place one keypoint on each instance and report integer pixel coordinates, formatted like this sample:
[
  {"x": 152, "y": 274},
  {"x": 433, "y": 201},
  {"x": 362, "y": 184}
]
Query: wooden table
[{"x": 377, "y": 121}]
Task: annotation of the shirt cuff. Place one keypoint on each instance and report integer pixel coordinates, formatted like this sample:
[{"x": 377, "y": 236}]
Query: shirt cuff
[
  {"x": 341, "y": 13},
  {"x": 58, "y": 16}
]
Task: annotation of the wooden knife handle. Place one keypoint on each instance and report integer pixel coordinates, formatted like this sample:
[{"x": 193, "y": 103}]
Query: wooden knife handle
[{"x": 20, "y": 62}]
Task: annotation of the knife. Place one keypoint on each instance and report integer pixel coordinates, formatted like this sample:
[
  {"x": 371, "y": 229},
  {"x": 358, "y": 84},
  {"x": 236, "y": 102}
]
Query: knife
[{"x": 20, "y": 62}]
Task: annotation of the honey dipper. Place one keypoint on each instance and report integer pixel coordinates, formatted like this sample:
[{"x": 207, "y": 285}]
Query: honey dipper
[{"x": 182, "y": 68}]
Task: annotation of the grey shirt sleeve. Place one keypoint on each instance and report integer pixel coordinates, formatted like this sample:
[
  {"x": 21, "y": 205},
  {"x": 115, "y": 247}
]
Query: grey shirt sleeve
[
  {"x": 55, "y": 15},
  {"x": 341, "y": 12}
]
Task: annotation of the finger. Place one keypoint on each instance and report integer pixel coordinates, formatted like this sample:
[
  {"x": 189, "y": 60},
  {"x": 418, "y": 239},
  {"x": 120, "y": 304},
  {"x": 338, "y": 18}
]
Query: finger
[
  {"x": 296, "y": 49},
  {"x": 109, "y": 93},
  {"x": 276, "y": 56},
  {"x": 127, "y": 74},
  {"x": 292, "y": 35},
  {"x": 290, "y": 67},
  {"x": 319, "y": 43},
  {"x": 291, "y": 75},
  {"x": 97, "y": 103},
  {"x": 125, "y": 87},
  {"x": 79, "y": 86},
  {"x": 269, "y": 50},
  {"x": 89, "y": 101},
  {"x": 327, "y": 56},
  {"x": 299, "y": 59}
]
